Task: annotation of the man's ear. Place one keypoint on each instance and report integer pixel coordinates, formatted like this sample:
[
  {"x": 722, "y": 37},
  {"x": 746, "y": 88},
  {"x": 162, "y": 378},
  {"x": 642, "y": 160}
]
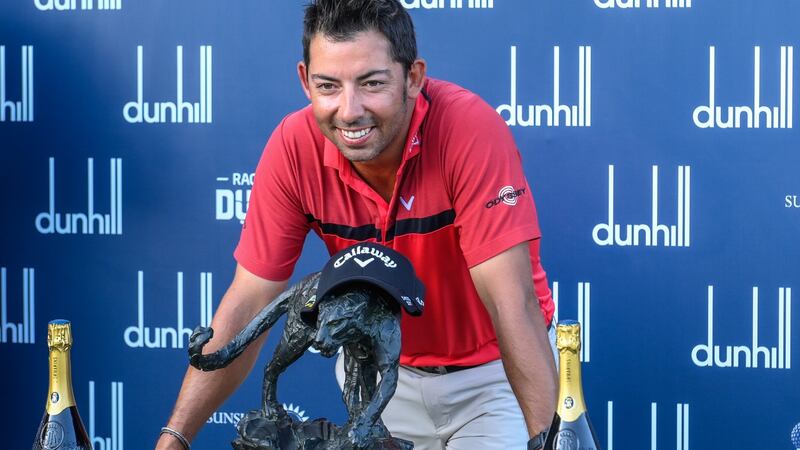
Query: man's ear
[
  {"x": 302, "y": 73},
  {"x": 415, "y": 78}
]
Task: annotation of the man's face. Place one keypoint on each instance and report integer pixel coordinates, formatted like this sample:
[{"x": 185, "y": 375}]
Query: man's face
[{"x": 358, "y": 94}]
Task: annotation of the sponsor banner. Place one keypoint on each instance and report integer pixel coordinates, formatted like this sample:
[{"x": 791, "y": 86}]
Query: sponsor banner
[
  {"x": 655, "y": 233},
  {"x": 116, "y": 429},
  {"x": 72, "y": 5},
  {"x": 584, "y": 316},
  {"x": 233, "y": 200},
  {"x": 179, "y": 111},
  {"x": 553, "y": 114},
  {"x": 21, "y": 110},
  {"x": 141, "y": 336},
  {"x": 447, "y": 4},
  {"x": 681, "y": 430},
  {"x": 758, "y": 115},
  {"x": 628, "y": 4},
  {"x": 90, "y": 222},
  {"x": 23, "y": 332},
  {"x": 753, "y": 355}
]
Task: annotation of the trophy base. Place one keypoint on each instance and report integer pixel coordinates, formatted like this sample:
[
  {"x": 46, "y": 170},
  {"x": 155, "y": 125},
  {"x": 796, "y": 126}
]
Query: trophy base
[{"x": 256, "y": 432}]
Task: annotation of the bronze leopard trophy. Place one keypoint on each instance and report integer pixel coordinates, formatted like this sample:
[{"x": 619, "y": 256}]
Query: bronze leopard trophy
[{"x": 360, "y": 317}]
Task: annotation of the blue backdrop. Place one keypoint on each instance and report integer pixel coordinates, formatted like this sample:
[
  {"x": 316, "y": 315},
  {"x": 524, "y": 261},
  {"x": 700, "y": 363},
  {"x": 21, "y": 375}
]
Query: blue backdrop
[{"x": 658, "y": 138}]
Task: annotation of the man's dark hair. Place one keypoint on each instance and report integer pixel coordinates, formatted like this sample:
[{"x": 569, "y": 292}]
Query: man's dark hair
[{"x": 341, "y": 20}]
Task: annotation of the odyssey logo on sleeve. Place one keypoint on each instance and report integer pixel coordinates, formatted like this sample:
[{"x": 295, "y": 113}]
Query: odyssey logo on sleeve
[
  {"x": 754, "y": 355},
  {"x": 584, "y": 316},
  {"x": 611, "y": 233},
  {"x": 507, "y": 195},
  {"x": 72, "y": 5},
  {"x": 179, "y": 111},
  {"x": 626, "y": 4},
  {"x": 25, "y": 331},
  {"x": 90, "y": 222},
  {"x": 233, "y": 200},
  {"x": 140, "y": 336},
  {"x": 116, "y": 430},
  {"x": 449, "y": 4},
  {"x": 757, "y": 115},
  {"x": 540, "y": 115},
  {"x": 22, "y": 110}
]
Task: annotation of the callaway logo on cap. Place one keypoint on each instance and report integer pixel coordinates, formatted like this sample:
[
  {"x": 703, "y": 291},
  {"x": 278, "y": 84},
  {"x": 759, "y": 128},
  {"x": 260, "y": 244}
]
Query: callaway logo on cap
[{"x": 374, "y": 264}]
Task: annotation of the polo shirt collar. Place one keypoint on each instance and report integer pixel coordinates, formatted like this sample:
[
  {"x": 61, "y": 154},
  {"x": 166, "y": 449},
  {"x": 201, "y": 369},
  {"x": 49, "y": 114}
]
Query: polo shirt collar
[{"x": 332, "y": 157}]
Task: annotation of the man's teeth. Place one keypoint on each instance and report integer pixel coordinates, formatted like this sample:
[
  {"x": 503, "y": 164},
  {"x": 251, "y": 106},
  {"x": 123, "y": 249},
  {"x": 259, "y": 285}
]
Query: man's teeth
[{"x": 356, "y": 134}]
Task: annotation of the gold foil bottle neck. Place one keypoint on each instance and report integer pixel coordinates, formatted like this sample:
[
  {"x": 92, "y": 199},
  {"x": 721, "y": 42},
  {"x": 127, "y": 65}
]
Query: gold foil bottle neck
[
  {"x": 568, "y": 336},
  {"x": 59, "y": 335}
]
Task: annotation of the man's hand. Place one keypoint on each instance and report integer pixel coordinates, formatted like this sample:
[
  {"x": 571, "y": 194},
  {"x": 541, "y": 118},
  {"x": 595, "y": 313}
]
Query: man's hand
[{"x": 505, "y": 284}]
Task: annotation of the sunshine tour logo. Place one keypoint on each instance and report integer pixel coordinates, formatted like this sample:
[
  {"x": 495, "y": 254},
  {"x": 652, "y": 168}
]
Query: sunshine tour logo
[
  {"x": 117, "y": 439},
  {"x": 624, "y": 4},
  {"x": 584, "y": 316},
  {"x": 507, "y": 195},
  {"x": 579, "y": 115},
  {"x": 681, "y": 426},
  {"x": 232, "y": 202},
  {"x": 139, "y": 111},
  {"x": 368, "y": 251},
  {"x": 25, "y": 332},
  {"x": 71, "y": 5},
  {"x": 139, "y": 335},
  {"x": 711, "y": 115},
  {"x": 452, "y": 4},
  {"x": 648, "y": 234},
  {"x": 780, "y": 357},
  {"x": 50, "y": 221},
  {"x": 19, "y": 111},
  {"x": 232, "y": 418}
]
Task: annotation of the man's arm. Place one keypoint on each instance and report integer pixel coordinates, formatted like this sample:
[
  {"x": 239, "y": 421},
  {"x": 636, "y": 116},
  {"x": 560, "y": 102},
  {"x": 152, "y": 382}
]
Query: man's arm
[
  {"x": 203, "y": 392},
  {"x": 505, "y": 285}
]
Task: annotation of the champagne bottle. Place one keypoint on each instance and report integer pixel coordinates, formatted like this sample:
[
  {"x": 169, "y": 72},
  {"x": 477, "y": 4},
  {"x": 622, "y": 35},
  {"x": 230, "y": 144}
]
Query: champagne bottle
[
  {"x": 61, "y": 427},
  {"x": 571, "y": 428}
]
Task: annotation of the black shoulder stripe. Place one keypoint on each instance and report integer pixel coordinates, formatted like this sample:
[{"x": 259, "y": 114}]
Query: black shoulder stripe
[
  {"x": 422, "y": 225},
  {"x": 360, "y": 233}
]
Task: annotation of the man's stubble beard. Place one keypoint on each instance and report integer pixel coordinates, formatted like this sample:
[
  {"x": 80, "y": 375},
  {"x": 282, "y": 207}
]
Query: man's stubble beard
[{"x": 357, "y": 155}]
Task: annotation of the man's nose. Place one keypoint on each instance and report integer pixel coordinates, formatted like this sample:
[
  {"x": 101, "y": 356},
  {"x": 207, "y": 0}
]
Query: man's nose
[{"x": 351, "y": 107}]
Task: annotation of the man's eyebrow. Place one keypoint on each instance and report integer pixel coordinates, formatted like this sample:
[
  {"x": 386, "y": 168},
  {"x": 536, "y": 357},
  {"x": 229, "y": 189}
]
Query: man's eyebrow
[{"x": 370, "y": 74}]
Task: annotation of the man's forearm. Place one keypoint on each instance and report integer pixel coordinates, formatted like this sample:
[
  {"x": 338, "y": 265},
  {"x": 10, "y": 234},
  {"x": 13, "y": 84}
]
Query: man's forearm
[
  {"x": 203, "y": 392},
  {"x": 529, "y": 364}
]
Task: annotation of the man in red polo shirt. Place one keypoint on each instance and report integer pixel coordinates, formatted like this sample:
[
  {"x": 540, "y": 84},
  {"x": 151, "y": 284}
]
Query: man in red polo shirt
[{"x": 383, "y": 154}]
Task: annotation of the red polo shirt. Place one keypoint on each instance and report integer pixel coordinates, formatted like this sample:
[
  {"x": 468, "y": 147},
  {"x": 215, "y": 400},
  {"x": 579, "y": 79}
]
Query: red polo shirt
[{"x": 460, "y": 198}]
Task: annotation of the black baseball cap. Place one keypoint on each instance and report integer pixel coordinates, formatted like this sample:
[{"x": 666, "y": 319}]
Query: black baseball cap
[{"x": 374, "y": 264}]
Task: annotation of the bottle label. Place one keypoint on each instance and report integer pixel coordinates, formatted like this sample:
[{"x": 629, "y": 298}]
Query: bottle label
[
  {"x": 53, "y": 436},
  {"x": 60, "y": 396}
]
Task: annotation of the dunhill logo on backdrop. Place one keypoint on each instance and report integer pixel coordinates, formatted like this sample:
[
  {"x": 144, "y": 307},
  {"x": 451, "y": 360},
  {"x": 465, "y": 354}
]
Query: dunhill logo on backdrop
[
  {"x": 452, "y": 4},
  {"x": 71, "y": 5},
  {"x": 579, "y": 115},
  {"x": 22, "y": 110},
  {"x": 625, "y": 4},
  {"x": 711, "y": 115},
  {"x": 50, "y": 221},
  {"x": 179, "y": 111},
  {"x": 139, "y": 335},
  {"x": 117, "y": 439},
  {"x": 780, "y": 357},
  {"x": 648, "y": 234},
  {"x": 24, "y": 332}
]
